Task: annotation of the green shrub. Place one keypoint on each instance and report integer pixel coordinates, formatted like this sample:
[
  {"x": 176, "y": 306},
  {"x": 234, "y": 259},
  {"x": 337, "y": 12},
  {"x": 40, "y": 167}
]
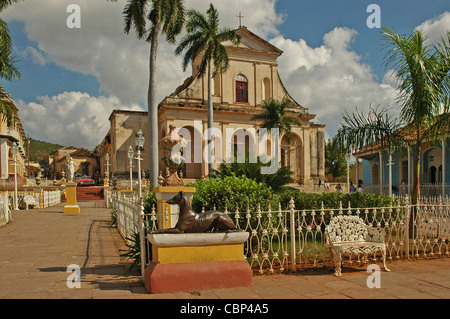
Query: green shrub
[
  {"x": 149, "y": 201},
  {"x": 114, "y": 217},
  {"x": 234, "y": 192},
  {"x": 332, "y": 200},
  {"x": 277, "y": 181}
]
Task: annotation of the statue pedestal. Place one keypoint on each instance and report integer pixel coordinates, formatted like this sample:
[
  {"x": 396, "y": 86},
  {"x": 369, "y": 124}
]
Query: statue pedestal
[
  {"x": 71, "y": 198},
  {"x": 168, "y": 214},
  {"x": 197, "y": 261}
]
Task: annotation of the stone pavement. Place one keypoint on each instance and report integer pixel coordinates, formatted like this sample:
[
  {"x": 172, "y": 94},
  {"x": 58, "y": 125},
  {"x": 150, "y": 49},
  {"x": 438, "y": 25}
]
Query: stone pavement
[{"x": 38, "y": 246}]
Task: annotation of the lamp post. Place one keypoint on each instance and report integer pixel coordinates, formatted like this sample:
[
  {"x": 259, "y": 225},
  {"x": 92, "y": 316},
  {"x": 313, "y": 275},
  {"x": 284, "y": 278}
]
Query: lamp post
[
  {"x": 130, "y": 157},
  {"x": 390, "y": 163},
  {"x": 14, "y": 152},
  {"x": 347, "y": 159},
  {"x": 139, "y": 141},
  {"x": 107, "y": 166}
]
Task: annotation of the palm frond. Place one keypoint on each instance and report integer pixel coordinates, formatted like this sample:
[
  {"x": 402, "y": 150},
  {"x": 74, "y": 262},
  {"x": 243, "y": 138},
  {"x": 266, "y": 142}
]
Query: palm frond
[
  {"x": 204, "y": 39},
  {"x": 8, "y": 70},
  {"x": 377, "y": 128}
]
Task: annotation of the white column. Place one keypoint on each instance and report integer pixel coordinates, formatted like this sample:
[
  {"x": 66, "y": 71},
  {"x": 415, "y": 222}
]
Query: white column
[{"x": 4, "y": 158}]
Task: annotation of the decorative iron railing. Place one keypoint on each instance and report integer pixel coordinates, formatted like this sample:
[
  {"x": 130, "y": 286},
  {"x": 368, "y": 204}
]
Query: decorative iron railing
[{"x": 293, "y": 239}]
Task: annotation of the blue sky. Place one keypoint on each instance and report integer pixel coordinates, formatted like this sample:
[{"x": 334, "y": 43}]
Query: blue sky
[
  {"x": 332, "y": 61},
  {"x": 49, "y": 79},
  {"x": 311, "y": 19}
]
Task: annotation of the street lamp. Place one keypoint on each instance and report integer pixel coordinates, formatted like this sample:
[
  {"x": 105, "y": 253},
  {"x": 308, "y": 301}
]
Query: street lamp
[
  {"x": 390, "y": 163},
  {"x": 347, "y": 159},
  {"x": 107, "y": 166},
  {"x": 14, "y": 152},
  {"x": 139, "y": 141},
  {"x": 130, "y": 157}
]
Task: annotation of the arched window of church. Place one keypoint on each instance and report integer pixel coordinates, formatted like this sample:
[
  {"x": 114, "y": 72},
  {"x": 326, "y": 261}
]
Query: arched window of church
[
  {"x": 266, "y": 89},
  {"x": 241, "y": 89}
]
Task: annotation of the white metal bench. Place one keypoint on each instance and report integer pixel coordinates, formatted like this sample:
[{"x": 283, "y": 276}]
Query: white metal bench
[
  {"x": 349, "y": 235},
  {"x": 30, "y": 201}
]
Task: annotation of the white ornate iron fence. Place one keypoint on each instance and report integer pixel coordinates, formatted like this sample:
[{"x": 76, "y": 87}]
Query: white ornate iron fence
[{"x": 294, "y": 239}]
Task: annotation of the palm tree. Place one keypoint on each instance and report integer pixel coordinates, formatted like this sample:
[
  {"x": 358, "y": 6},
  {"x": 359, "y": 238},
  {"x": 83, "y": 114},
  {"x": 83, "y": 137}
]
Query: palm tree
[
  {"x": 422, "y": 72},
  {"x": 166, "y": 17},
  {"x": 335, "y": 163},
  {"x": 8, "y": 70},
  {"x": 204, "y": 38},
  {"x": 274, "y": 115}
]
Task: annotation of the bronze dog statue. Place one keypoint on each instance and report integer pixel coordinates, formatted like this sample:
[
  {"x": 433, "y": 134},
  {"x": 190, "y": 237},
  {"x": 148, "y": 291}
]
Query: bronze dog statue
[{"x": 192, "y": 222}]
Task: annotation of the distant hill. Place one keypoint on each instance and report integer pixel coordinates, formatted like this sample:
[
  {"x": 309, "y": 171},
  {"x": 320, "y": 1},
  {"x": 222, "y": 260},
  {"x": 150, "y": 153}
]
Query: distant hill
[{"x": 39, "y": 149}]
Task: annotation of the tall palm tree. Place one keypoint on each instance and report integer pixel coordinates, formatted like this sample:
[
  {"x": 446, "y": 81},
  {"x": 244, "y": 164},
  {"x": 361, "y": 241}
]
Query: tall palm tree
[
  {"x": 204, "y": 38},
  {"x": 274, "y": 115},
  {"x": 8, "y": 69},
  {"x": 165, "y": 17},
  {"x": 422, "y": 72}
]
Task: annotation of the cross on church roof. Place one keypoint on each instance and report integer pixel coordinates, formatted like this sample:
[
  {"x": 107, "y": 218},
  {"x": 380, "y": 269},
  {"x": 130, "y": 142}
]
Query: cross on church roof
[{"x": 240, "y": 19}]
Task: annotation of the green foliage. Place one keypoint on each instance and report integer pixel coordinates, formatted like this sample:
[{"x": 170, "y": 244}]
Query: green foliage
[
  {"x": 204, "y": 38},
  {"x": 309, "y": 201},
  {"x": 333, "y": 200},
  {"x": 276, "y": 181},
  {"x": 274, "y": 115},
  {"x": 133, "y": 254},
  {"x": 335, "y": 163},
  {"x": 39, "y": 149},
  {"x": 149, "y": 201},
  {"x": 113, "y": 217},
  {"x": 234, "y": 192}
]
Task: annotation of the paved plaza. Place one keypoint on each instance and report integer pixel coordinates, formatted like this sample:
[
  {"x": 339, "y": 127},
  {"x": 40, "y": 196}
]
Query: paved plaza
[{"x": 38, "y": 246}]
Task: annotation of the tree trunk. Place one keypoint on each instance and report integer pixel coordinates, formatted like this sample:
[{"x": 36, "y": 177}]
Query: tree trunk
[
  {"x": 210, "y": 119},
  {"x": 415, "y": 196},
  {"x": 153, "y": 150}
]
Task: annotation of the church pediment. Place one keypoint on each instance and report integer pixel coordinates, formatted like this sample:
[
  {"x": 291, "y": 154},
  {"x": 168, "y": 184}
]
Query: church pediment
[{"x": 251, "y": 41}]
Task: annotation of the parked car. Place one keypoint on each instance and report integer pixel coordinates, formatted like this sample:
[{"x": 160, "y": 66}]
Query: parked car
[{"x": 85, "y": 181}]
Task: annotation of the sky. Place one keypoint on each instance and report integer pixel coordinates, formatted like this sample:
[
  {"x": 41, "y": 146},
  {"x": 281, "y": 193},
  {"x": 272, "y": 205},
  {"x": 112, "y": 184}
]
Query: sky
[{"x": 73, "y": 78}]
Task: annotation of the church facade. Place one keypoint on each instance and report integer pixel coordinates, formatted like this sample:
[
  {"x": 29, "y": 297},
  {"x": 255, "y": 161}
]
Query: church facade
[{"x": 237, "y": 93}]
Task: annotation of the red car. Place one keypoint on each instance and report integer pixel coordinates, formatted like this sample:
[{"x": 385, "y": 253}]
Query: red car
[{"x": 85, "y": 181}]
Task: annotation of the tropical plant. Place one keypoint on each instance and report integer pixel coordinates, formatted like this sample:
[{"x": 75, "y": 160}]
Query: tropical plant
[
  {"x": 133, "y": 254},
  {"x": 166, "y": 17},
  {"x": 274, "y": 115},
  {"x": 422, "y": 71},
  {"x": 232, "y": 192},
  {"x": 335, "y": 163},
  {"x": 113, "y": 216},
  {"x": 204, "y": 38},
  {"x": 8, "y": 69},
  {"x": 277, "y": 181}
]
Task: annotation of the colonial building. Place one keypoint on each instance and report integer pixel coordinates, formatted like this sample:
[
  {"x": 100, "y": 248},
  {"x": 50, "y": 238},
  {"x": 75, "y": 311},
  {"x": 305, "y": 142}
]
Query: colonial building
[
  {"x": 237, "y": 93},
  {"x": 86, "y": 162},
  {"x": 434, "y": 169},
  {"x": 9, "y": 135}
]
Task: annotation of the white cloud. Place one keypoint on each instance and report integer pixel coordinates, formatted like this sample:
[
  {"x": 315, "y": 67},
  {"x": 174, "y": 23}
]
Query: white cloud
[
  {"x": 35, "y": 55},
  {"x": 327, "y": 79},
  {"x": 331, "y": 78},
  {"x": 436, "y": 28},
  {"x": 70, "y": 118},
  {"x": 119, "y": 61}
]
